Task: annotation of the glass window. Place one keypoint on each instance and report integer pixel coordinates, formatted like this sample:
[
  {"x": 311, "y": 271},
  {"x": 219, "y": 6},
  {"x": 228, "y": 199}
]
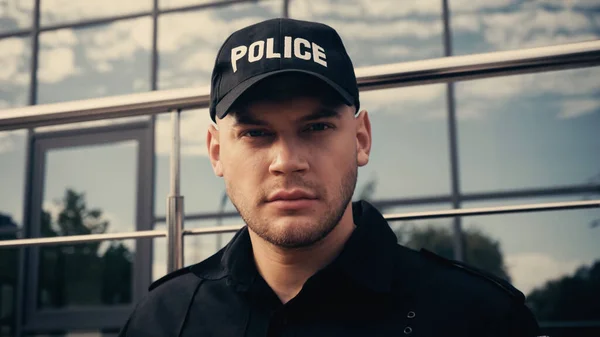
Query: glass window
[
  {"x": 165, "y": 4},
  {"x": 529, "y": 131},
  {"x": 382, "y": 31},
  {"x": 15, "y": 56},
  {"x": 196, "y": 248},
  {"x": 484, "y": 26},
  {"x": 435, "y": 235},
  {"x": 13, "y": 145},
  {"x": 12, "y": 168},
  {"x": 78, "y": 201},
  {"x": 111, "y": 59},
  {"x": 61, "y": 11},
  {"x": 409, "y": 155},
  {"x": 187, "y": 53},
  {"x": 15, "y": 15},
  {"x": 84, "y": 275},
  {"x": 200, "y": 187},
  {"x": 551, "y": 257}
]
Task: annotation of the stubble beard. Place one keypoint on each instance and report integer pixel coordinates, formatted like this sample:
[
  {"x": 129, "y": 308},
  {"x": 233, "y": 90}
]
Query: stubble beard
[{"x": 303, "y": 235}]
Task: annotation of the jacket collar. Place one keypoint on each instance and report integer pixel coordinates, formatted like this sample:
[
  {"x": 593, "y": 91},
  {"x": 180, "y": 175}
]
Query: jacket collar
[{"x": 366, "y": 257}]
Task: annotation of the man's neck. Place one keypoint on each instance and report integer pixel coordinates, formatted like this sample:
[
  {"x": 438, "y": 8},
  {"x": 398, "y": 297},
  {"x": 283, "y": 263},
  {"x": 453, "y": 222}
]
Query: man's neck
[{"x": 286, "y": 269}]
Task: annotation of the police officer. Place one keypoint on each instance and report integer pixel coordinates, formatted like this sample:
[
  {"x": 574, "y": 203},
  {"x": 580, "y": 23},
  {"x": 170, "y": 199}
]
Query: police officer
[{"x": 288, "y": 140}]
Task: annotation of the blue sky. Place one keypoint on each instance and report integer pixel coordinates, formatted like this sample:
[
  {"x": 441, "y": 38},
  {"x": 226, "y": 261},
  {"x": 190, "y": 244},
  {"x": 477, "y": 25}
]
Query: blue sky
[{"x": 526, "y": 131}]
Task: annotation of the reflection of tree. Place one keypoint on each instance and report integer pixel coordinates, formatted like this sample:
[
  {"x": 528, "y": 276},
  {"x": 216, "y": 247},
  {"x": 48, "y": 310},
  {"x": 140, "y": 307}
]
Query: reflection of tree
[
  {"x": 79, "y": 274},
  {"x": 480, "y": 250},
  {"x": 8, "y": 276},
  {"x": 575, "y": 297}
]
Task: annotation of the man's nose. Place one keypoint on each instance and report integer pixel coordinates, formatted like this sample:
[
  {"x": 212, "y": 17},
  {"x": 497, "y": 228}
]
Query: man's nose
[{"x": 288, "y": 157}]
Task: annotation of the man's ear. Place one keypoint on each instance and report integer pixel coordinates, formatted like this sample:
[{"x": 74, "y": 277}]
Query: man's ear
[
  {"x": 214, "y": 150},
  {"x": 363, "y": 138}
]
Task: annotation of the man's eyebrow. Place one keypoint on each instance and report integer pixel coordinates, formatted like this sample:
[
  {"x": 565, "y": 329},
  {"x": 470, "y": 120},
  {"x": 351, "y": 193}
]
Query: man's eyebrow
[
  {"x": 244, "y": 118},
  {"x": 322, "y": 112}
]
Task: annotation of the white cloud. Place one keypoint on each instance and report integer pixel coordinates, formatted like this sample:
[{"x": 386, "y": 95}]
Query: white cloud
[
  {"x": 6, "y": 144},
  {"x": 577, "y": 108},
  {"x": 20, "y": 11},
  {"x": 53, "y": 207},
  {"x": 570, "y": 82},
  {"x": 59, "y": 38},
  {"x": 57, "y": 64},
  {"x": 13, "y": 59},
  {"x": 53, "y": 11},
  {"x": 529, "y": 26},
  {"x": 531, "y": 270},
  {"x": 7, "y": 138},
  {"x": 119, "y": 41},
  {"x": 394, "y": 100},
  {"x": 382, "y": 31},
  {"x": 476, "y": 5},
  {"x": 193, "y": 127},
  {"x": 360, "y": 9},
  {"x": 201, "y": 60},
  {"x": 178, "y": 31}
]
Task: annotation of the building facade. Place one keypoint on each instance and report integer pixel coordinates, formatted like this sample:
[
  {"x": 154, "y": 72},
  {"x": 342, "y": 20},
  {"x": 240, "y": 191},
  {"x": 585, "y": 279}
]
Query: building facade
[{"x": 519, "y": 139}]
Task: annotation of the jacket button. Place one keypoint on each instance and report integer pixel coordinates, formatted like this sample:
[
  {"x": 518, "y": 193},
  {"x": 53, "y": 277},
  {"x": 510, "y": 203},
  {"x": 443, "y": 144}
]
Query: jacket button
[
  {"x": 407, "y": 330},
  {"x": 411, "y": 314}
]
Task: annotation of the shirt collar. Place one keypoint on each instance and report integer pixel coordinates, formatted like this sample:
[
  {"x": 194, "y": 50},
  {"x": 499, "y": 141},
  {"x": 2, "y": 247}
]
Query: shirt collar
[{"x": 366, "y": 257}]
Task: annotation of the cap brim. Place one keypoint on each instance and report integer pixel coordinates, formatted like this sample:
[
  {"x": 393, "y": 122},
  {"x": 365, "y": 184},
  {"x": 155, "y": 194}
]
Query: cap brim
[{"x": 222, "y": 108}]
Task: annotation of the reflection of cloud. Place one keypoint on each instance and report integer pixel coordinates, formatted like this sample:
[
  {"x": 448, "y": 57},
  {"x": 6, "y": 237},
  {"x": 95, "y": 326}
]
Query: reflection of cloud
[
  {"x": 193, "y": 127},
  {"x": 576, "y": 108},
  {"x": 360, "y": 9},
  {"x": 570, "y": 86},
  {"x": 53, "y": 11},
  {"x": 119, "y": 41},
  {"x": 7, "y": 140},
  {"x": 56, "y": 65},
  {"x": 532, "y": 270},
  {"x": 13, "y": 63}
]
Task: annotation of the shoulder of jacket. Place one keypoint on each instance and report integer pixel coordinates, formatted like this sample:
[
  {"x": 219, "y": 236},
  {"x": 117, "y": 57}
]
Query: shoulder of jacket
[
  {"x": 209, "y": 269},
  {"x": 169, "y": 277},
  {"x": 485, "y": 276}
]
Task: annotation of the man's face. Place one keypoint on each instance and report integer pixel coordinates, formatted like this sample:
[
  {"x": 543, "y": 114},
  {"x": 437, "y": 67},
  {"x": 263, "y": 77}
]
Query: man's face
[{"x": 290, "y": 168}]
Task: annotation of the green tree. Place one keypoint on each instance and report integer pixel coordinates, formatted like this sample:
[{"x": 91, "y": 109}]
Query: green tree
[
  {"x": 73, "y": 275},
  {"x": 481, "y": 251},
  {"x": 574, "y": 297}
]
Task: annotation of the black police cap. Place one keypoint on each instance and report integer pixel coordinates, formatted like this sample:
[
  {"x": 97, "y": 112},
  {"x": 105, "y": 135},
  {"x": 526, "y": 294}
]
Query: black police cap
[{"x": 280, "y": 46}]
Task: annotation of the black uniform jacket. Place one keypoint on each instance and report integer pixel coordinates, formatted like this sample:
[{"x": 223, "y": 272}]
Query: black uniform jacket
[{"x": 374, "y": 288}]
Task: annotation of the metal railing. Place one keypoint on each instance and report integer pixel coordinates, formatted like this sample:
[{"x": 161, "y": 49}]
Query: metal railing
[
  {"x": 447, "y": 69},
  {"x": 556, "y": 206}
]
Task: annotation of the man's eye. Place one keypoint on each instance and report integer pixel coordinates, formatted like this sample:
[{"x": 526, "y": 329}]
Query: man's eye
[
  {"x": 318, "y": 127},
  {"x": 255, "y": 133}
]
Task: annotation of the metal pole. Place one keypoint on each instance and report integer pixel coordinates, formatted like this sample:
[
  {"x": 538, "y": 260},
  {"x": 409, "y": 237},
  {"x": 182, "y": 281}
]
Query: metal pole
[
  {"x": 458, "y": 239},
  {"x": 175, "y": 203}
]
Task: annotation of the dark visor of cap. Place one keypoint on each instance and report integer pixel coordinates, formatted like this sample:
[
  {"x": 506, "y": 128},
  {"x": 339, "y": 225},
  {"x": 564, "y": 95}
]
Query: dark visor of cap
[{"x": 222, "y": 108}]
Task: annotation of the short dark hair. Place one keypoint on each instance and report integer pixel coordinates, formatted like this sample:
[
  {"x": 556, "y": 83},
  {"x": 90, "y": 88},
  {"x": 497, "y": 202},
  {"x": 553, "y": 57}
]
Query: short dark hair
[{"x": 286, "y": 86}]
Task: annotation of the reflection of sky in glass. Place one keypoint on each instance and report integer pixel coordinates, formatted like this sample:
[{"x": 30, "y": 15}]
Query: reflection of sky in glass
[
  {"x": 188, "y": 42},
  {"x": 379, "y": 32},
  {"x": 15, "y": 62},
  {"x": 521, "y": 131},
  {"x": 541, "y": 245},
  {"x": 105, "y": 60},
  {"x": 529, "y": 131},
  {"x": 62, "y": 11},
  {"x": 15, "y": 14},
  {"x": 490, "y": 25},
  {"x": 12, "y": 174},
  {"x": 164, "y": 4}
]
